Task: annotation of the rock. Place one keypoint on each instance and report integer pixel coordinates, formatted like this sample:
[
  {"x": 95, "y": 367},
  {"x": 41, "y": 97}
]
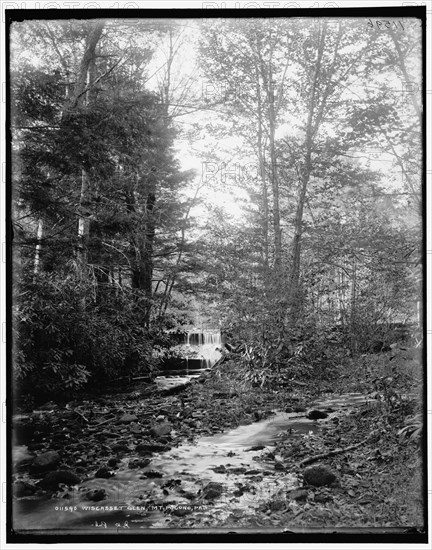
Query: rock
[
  {"x": 277, "y": 505},
  {"x": 237, "y": 470},
  {"x": 160, "y": 430},
  {"x": 104, "y": 473},
  {"x": 126, "y": 418},
  {"x": 52, "y": 480},
  {"x": 322, "y": 497},
  {"x": 35, "y": 446},
  {"x": 135, "y": 428},
  {"x": 299, "y": 409},
  {"x": 152, "y": 474},
  {"x": 219, "y": 469},
  {"x": 298, "y": 494},
  {"x": 120, "y": 448},
  {"x": 279, "y": 466},
  {"x": 45, "y": 462},
  {"x": 256, "y": 448},
  {"x": 148, "y": 448},
  {"x": 182, "y": 511},
  {"x": 212, "y": 490},
  {"x": 139, "y": 463},
  {"x": 253, "y": 472},
  {"x": 112, "y": 462},
  {"x": 23, "y": 489},
  {"x": 23, "y": 430},
  {"x": 108, "y": 434},
  {"x": 96, "y": 495},
  {"x": 319, "y": 476},
  {"x": 315, "y": 414},
  {"x": 289, "y": 409},
  {"x": 23, "y": 465},
  {"x": 173, "y": 390}
]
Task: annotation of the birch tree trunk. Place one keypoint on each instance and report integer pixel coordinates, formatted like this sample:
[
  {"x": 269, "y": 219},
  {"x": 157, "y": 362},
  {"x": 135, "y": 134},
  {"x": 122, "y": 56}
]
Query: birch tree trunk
[{"x": 38, "y": 250}]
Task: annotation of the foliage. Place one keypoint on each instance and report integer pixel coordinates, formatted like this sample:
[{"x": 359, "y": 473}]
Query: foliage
[{"x": 64, "y": 344}]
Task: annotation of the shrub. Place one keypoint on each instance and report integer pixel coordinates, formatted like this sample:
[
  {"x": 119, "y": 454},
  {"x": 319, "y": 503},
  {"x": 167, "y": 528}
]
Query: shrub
[{"x": 65, "y": 340}]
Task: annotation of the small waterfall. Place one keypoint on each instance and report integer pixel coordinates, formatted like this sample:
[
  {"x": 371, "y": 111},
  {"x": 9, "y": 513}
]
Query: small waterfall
[
  {"x": 207, "y": 345},
  {"x": 206, "y": 338},
  {"x": 199, "y": 352}
]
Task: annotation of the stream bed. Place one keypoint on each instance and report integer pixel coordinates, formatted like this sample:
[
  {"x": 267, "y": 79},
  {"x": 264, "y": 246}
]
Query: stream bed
[{"x": 215, "y": 479}]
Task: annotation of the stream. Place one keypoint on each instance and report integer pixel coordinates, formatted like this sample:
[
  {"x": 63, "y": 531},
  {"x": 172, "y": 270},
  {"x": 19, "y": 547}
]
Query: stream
[{"x": 244, "y": 473}]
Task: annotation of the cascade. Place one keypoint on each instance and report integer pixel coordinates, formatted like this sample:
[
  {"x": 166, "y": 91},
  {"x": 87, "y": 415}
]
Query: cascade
[
  {"x": 201, "y": 353},
  {"x": 206, "y": 344}
]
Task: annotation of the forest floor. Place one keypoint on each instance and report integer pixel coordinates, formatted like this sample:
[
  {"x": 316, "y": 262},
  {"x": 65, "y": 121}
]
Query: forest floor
[{"x": 378, "y": 483}]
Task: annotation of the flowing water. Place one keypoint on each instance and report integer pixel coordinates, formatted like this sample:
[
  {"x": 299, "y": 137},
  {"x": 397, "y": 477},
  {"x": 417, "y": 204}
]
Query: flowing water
[{"x": 136, "y": 502}]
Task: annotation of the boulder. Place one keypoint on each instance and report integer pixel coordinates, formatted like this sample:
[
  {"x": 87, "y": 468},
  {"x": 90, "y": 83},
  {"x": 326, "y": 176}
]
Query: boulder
[
  {"x": 238, "y": 470},
  {"x": 173, "y": 390},
  {"x": 104, "y": 473},
  {"x": 319, "y": 476},
  {"x": 148, "y": 448},
  {"x": 159, "y": 430},
  {"x": 315, "y": 414},
  {"x": 212, "y": 490},
  {"x": 96, "y": 495},
  {"x": 120, "y": 448},
  {"x": 45, "y": 462},
  {"x": 152, "y": 474},
  {"x": 23, "y": 489},
  {"x": 23, "y": 430},
  {"x": 52, "y": 480},
  {"x": 138, "y": 463}
]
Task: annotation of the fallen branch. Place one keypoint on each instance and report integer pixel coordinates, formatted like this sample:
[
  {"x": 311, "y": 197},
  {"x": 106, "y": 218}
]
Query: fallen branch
[
  {"x": 82, "y": 416},
  {"x": 333, "y": 453},
  {"x": 102, "y": 423}
]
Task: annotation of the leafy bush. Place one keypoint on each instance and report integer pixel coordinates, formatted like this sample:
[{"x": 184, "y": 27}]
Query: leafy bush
[{"x": 65, "y": 340}]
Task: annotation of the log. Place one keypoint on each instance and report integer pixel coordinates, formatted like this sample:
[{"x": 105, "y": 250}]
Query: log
[{"x": 333, "y": 453}]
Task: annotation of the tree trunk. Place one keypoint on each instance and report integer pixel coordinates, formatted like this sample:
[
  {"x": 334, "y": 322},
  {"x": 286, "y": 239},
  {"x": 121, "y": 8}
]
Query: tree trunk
[
  {"x": 267, "y": 76},
  {"x": 38, "y": 246},
  {"x": 83, "y": 95},
  {"x": 315, "y": 115},
  {"x": 275, "y": 183}
]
